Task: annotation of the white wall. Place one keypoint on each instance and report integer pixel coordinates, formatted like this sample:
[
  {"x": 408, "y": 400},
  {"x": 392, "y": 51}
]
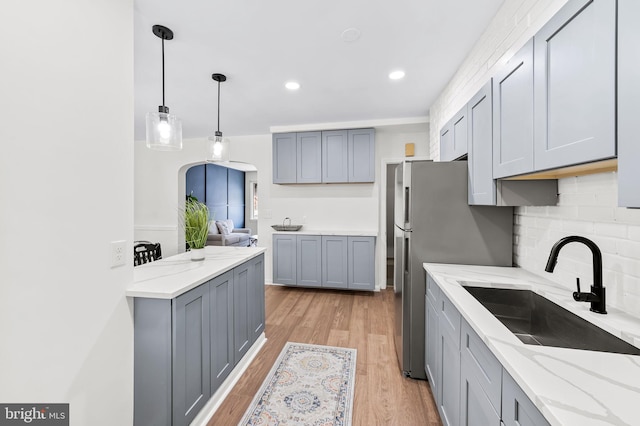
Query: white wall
[
  {"x": 587, "y": 204},
  {"x": 66, "y": 187},
  {"x": 319, "y": 207}
]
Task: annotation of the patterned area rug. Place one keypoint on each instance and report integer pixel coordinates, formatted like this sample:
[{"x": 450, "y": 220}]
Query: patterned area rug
[{"x": 308, "y": 385}]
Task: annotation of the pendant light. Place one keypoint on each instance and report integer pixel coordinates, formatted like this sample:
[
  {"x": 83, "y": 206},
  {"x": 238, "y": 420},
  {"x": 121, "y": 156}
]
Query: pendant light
[
  {"x": 217, "y": 146},
  {"x": 164, "y": 130}
]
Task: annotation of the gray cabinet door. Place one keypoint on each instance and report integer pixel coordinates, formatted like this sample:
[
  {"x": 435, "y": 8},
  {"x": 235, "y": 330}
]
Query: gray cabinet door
[
  {"x": 241, "y": 328},
  {"x": 284, "y": 158},
  {"x": 191, "y": 365},
  {"x": 256, "y": 297},
  {"x": 460, "y": 134},
  {"x": 335, "y": 157},
  {"x": 482, "y": 187},
  {"x": 361, "y": 268},
  {"x": 284, "y": 259},
  {"x": 628, "y": 96},
  {"x": 334, "y": 262},
  {"x": 475, "y": 407},
  {"x": 446, "y": 142},
  {"x": 309, "y": 157},
  {"x": 517, "y": 408},
  {"x": 575, "y": 85},
  {"x": 431, "y": 346},
  {"x": 221, "y": 326},
  {"x": 448, "y": 362},
  {"x": 361, "y": 155},
  {"x": 309, "y": 256},
  {"x": 513, "y": 115}
]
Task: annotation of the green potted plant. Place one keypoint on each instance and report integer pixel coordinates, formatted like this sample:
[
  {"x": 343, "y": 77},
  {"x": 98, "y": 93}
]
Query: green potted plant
[{"x": 196, "y": 227}]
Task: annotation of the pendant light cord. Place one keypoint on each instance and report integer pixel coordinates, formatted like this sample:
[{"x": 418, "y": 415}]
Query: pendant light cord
[
  {"x": 218, "y": 105},
  {"x": 163, "y": 107}
]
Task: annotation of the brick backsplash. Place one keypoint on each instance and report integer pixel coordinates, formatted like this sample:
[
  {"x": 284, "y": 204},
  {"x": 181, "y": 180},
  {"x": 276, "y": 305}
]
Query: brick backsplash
[{"x": 587, "y": 206}]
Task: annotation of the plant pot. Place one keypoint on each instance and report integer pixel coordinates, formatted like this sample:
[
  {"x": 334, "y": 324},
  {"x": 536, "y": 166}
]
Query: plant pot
[{"x": 197, "y": 254}]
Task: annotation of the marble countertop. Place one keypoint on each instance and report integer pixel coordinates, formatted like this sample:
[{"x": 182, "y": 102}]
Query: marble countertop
[
  {"x": 568, "y": 386},
  {"x": 170, "y": 277},
  {"x": 331, "y": 232}
]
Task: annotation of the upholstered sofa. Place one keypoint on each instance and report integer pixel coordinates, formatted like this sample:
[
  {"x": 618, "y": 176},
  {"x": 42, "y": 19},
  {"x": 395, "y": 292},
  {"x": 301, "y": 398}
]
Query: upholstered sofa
[{"x": 222, "y": 233}]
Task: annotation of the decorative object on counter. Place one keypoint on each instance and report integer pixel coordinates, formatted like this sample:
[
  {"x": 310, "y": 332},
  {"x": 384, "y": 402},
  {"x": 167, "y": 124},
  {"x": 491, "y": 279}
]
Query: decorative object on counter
[
  {"x": 217, "y": 146},
  {"x": 597, "y": 295},
  {"x": 196, "y": 227},
  {"x": 287, "y": 227},
  {"x": 145, "y": 252},
  {"x": 164, "y": 130},
  {"x": 308, "y": 384},
  {"x": 409, "y": 149}
]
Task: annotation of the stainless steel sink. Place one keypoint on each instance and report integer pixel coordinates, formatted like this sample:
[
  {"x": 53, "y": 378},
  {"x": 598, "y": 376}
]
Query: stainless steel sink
[{"x": 536, "y": 320}]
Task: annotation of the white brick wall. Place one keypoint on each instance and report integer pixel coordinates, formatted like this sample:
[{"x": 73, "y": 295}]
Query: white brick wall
[{"x": 587, "y": 204}]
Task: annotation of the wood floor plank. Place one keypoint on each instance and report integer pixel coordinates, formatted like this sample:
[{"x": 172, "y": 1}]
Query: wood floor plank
[{"x": 361, "y": 320}]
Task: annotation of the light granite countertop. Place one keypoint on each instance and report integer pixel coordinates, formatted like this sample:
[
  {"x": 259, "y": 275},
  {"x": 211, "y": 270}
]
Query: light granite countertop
[
  {"x": 331, "y": 232},
  {"x": 170, "y": 277},
  {"x": 568, "y": 386}
]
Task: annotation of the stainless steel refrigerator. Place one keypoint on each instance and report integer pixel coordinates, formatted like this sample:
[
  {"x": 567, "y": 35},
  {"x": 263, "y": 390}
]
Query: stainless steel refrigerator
[{"x": 434, "y": 223}]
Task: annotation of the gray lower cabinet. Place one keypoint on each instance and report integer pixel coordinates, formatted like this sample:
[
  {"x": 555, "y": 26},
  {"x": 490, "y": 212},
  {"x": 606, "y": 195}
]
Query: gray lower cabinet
[
  {"x": 221, "y": 326},
  {"x": 448, "y": 373},
  {"x": 285, "y": 259},
  {"x": 184, "y": 348},
  {"x": 335, "y": 157},
  {"x": 334, "y": 264},
  {"x": 513, "y": 115},
  {"x": 480, "y": 381},
  {"x": 309, "y": 157},
  {"x": 575, "y": 85},
  {"x": 628, "y": 98},
  {"x": 517, "y": 408},
  {"x": 309, "y": 260},
  {"x": 361, "y": 154},
  {"x": 468, "y": 383},
  {"x": 324, "y": 261},
  {"x": 361, "y": 266},
  {"x": 284, "y": 150},
  {"x": 191, "y": 357}
]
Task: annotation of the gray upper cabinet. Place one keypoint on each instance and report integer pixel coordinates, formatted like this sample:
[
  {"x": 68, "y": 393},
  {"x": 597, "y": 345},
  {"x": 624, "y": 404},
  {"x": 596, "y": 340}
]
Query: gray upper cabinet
[
  {"x": 361, "y": 267},
  {"x": 191, "y": 366},
  {"x": 517, "y": 408},
  {"x": 446, "y": 142},
  {"x": 513, "y": 115},
  {"x": 334, "y": 261},
  {"x": 309, "y": 260},
  {"x": 482, "y": 186},
  {"x": 221, "y": 326},
  {"x": 284, "y": 259},
  {"x": 575, "y": 85},
  {"x": 309, "y": 157},
  {"x": 628, "y": 98},
  {"x": 361, "y": 155},
  {"x": 284, "y": 158},
  {"x": 335, "y": 166}
]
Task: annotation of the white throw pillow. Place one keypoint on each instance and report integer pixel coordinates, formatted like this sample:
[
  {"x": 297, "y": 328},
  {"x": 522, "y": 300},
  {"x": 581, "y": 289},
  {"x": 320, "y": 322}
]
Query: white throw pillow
[
  {"x": 213, "y": 228},
  {"x": 223, "y": 227}
]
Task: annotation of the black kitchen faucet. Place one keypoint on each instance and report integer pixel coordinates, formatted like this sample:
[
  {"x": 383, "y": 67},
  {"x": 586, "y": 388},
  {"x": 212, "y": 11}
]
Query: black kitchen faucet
[{"x": 597, "y": 296}]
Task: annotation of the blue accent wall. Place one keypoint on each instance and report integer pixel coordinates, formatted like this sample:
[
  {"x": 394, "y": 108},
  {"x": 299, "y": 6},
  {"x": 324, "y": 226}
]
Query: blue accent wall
[{"x": 221, "y": 189}]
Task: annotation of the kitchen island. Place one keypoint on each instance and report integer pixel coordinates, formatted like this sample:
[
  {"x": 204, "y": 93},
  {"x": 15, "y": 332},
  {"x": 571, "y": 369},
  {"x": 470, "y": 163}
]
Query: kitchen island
[
  {"x": 565, "y": 386},
  {"x": 197, "y": 325}
]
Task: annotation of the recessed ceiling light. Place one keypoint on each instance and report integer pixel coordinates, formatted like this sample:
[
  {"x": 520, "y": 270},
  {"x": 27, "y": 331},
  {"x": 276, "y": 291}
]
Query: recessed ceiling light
[
  {"x": 292, "y": 85},
  {"x": 350, "y": 35},
  {"x": 396, "y": 75}
]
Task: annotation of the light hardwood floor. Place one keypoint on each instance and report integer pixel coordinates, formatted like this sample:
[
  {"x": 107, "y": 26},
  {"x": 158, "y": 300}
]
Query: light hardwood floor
[{"x": 360, "y": 320}]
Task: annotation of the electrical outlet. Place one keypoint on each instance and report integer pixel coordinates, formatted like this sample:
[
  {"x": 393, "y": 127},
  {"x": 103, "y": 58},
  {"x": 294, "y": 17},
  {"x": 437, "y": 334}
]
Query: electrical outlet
[
  {"x": 118, "y": 253},
  {"x": 268, "y": 214}
]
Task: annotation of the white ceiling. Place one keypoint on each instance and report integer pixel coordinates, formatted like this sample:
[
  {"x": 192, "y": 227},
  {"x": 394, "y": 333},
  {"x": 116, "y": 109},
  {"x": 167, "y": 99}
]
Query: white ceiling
[{"x": 260, "y": 44}]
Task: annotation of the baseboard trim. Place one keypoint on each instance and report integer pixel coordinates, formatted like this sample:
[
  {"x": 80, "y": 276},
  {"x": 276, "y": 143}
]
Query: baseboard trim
[{"x": 207, "y": 412}]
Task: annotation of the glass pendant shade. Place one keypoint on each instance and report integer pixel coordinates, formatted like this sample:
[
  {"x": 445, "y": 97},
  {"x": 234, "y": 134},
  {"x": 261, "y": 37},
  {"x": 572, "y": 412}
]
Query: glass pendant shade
[
  {"x": 164, "y": 131},
  {"x": 217, "y": 148}
]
